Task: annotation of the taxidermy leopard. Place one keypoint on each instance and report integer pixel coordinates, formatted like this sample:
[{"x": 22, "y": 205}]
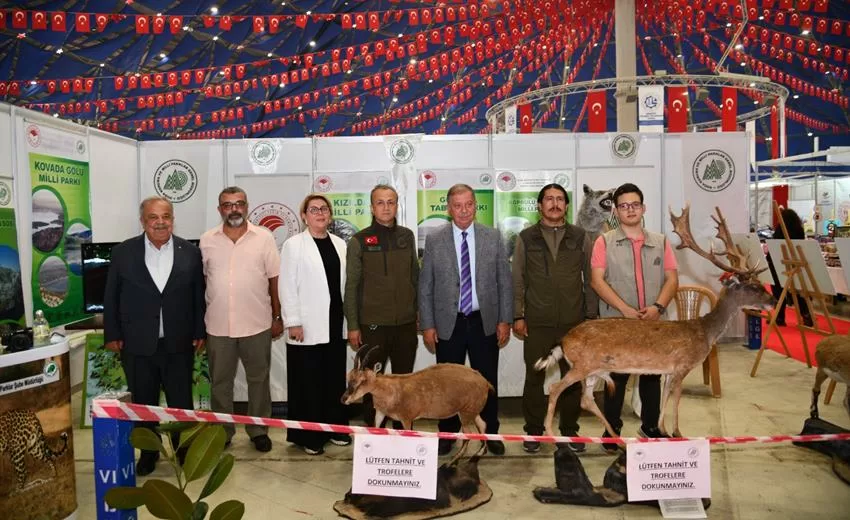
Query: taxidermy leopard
[{"x": 21, "y": 432}]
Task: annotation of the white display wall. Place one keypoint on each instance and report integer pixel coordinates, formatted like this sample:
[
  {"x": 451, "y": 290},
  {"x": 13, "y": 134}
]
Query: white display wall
[{"x": 670, "y": 168}]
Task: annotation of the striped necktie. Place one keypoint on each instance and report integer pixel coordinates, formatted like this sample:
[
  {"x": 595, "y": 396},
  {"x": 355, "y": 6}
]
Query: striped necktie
[{"x": 465, "y": 277}]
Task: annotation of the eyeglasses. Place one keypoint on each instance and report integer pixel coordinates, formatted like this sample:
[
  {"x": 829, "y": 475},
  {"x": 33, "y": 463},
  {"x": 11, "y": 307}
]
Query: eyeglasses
[
  {"x": 318, "y": 211},
  {"x": 240, "y": 204},
  {"x": 629, "y": 205}
]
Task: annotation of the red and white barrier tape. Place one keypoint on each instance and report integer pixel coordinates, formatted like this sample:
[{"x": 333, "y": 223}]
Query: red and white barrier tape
[{"x": 113, "y": 409}]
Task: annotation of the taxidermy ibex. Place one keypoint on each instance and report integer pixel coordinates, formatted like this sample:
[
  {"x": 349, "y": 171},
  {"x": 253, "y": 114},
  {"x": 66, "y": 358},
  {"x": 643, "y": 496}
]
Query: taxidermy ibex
[
  {"x": 833, "y": 357},
  {"x": 437, "y": 392},
  {"x": 596, "y": 348}
]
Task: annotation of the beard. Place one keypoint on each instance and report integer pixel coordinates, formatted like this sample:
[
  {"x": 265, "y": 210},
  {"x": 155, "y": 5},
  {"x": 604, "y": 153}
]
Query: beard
[{"x": 235, "y": 219}]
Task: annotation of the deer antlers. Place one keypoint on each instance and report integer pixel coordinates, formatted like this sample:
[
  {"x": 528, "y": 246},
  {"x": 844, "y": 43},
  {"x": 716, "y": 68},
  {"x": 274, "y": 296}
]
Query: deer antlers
[{"x": 736, "y": 257}]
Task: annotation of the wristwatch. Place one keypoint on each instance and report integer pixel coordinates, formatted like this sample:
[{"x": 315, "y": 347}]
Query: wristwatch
[
  {"x": 277, "y": 318},
  {"x": 661, "y": 308}
]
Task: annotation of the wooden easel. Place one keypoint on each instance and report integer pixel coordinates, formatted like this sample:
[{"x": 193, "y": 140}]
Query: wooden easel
[{"x": 797, "y": 271}]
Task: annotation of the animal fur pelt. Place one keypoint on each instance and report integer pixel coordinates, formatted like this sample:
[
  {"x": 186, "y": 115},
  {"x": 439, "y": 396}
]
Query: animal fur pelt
[
  {"x": 575, "y": 488},
  {"x": 459, "y": 481},
  {"x": 838, "y": 450}
]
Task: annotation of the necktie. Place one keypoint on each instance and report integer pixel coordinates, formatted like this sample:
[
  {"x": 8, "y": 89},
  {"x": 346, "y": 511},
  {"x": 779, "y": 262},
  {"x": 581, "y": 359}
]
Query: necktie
[{"x": 465, "y": 277}]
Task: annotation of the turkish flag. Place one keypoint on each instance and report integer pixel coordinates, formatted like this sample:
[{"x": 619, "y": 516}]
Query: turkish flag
[
  {"x": 65, "y": 86},
  {"x": 730, "y": 109},
  {"x": 142, "y": 24},
  {"x": 51, "y": 86},
  {"x": 39, "y": 21},
  {"x": 57, "y": 21},
  {"x": 259, "y": 24},
  {"x": 19, "y": 19},
  {"x": 821, "y": 6},
  {"x": 100, "y": 21},
  {"x": 274, "y": 24},
  {"x": 158, "y": 24},
  {"x": 225, "y": 23},
  {"x": 774, "y": 132},
  {"x": 374, "y": 22},
  {"x": 176, "y": 23},
  {"x": 597, "y": 116},
  {"x": 2, "y": 21},
  {"x": 526, "y": 121},
  {"x": 185, "y": 78},
  {"x": 83, "y": 24},
  {"x": 172, "y": 79},
  {"x": 677, "y": 109},
  {"x": 240, "y": 71},
  {"x": 199, "y": 76},
  {"x": 301, "y": 21},
  {"x": 119, "y": 82}
]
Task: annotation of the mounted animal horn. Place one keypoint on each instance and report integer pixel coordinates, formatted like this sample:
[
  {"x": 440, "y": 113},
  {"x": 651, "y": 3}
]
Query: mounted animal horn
[
  {"x": 737, "y": 259},
  {"x": 362, "y": 359}
]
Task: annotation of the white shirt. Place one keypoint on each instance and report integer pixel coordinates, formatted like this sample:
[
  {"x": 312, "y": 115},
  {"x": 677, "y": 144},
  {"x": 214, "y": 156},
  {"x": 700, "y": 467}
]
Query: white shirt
[
  {"x": 159, "y": 263},
  {"x": 470, "y": 242}
]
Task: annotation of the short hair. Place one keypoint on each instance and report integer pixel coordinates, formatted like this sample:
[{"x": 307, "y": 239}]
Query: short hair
[
  {"x": 232, "y": 190},
  {"x": 382, "y": 187},
  {"x": 457, "y": 189},
  {"x": 552, "y": 186},
  {"x": 627, "y": 188},
  {"x": 313, "y": 196},
  {"x": 154, "y": 198}
]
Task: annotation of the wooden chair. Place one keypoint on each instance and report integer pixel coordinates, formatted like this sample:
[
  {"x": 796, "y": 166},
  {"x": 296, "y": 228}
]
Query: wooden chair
[{"x": 689, "y": 300}]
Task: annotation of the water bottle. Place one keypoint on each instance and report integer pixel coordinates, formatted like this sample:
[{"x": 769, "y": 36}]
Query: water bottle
[{"x": 40, "y": 330}]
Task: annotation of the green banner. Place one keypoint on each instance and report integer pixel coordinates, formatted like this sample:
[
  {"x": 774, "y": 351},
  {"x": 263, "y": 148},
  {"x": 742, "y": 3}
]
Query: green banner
[
  {"x": 11, "y": 288},
  {"x": 60, "y": 224},
  {"x": 103, "y": 373},
  {"x": 352, "y": 213}
]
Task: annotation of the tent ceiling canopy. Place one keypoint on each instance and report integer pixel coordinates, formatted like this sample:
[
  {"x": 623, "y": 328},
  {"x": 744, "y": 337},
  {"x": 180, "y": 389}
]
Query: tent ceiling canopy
[{"x": 157, "y": 69}]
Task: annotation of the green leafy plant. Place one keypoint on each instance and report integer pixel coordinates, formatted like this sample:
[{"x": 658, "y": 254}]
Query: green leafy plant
[{"x": 205, "y": 456}]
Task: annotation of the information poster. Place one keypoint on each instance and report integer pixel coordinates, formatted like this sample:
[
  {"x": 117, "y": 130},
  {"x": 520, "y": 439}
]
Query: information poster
[
  {"x": 11, "y": 288},
  {"x": 35, "y": 412},
  {"x": 103, "y": 373},
  {"x": 516, "y": 200},
  {"x": 349, "y": 195},
  {"x": 61, "y": 223},
  {"x": 432, "y": 203},
  {"x": 390, "y": 465},
  {"x": 668, "y": 470}
]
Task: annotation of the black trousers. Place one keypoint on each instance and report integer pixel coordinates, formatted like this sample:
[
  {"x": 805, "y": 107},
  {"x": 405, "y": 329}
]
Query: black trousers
[
  {"x": 315, "y": 377},
  {"x": 398, "y": 343},
  {"x": 161, "y": 371},
  {"x": 804, "y": 307},
  {"x": 649, "y": 387},
  {"x": 468, "y": 338},
  {"x": 537, "y": 344}
]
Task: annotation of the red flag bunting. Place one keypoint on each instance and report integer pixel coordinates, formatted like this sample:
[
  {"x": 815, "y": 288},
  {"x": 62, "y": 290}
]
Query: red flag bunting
[
  {"x": 39, "y": 21},
  {"x": 158, "y": 24},
  {"x": 82, "y": 23},
  {"x": 19, "y": 19},
  {"x": 100, "y": 21},
  {"x": 142, "y": 24},
  {"x": 176, "y": 24},
  {"x": 526, "y": 121}
]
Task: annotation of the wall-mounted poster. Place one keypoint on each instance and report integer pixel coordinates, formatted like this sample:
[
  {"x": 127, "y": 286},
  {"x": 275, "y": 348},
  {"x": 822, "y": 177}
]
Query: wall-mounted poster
[
  {"x": 432, "y": 209},
  {"x": 11, "y": 288},
  {"x": 59, "y": 169}
]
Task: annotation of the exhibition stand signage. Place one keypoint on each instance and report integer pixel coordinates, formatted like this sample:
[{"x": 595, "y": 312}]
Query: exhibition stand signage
[
  {"x": 61, "y": 222},
  {"x": 11, "y": 288},
  {"x": 35, "y": 417},
  {"x": 394, "y": 466},
  {"x": 670, "y": 471}
]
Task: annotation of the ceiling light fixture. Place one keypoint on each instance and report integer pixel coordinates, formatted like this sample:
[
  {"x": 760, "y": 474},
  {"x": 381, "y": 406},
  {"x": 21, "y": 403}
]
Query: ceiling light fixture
[{"x": 214, "y": 10}]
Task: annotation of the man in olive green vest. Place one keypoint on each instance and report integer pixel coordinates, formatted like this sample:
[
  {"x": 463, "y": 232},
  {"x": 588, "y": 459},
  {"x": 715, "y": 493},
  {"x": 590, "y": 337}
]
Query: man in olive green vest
[
  {"x": 382, "y": 275},
  {"x": 552, "y": 294},
  {"x": 635, "y": 274}
]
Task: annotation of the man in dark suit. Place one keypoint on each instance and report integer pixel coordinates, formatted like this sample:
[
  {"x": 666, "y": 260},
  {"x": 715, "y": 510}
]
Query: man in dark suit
[
  {"x": 465, "y": 301},
  {"x": 153, "y": 313}
]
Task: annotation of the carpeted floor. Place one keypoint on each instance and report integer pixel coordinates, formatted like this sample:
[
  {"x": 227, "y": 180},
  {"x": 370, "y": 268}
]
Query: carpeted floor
[{"x": 793, "y": 337}]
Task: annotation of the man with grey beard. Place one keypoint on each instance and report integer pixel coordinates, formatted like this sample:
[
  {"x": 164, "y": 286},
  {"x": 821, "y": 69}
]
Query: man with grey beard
[{"x": 241, "y": 265}]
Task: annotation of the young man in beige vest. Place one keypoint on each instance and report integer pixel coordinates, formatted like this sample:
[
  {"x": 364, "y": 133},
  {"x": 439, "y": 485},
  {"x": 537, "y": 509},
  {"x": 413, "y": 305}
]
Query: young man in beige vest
[
  {"x": 634, "y": 273},
  {"x": 552, "y": 294}
]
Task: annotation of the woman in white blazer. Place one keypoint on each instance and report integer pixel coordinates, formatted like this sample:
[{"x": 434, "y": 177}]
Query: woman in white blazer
[{"x": 312, "y": 281}]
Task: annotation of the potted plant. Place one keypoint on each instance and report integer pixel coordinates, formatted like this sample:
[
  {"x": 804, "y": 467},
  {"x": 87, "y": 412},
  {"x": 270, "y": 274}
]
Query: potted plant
[{"x": 205, "y": 456}]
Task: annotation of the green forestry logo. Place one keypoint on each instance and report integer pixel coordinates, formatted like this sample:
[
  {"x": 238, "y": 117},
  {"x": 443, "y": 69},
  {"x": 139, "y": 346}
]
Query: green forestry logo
[
  {"x": 714, "y": 170},
  {"x": 623, "y": 146},
  {"x": 402, "y": 151},
  {"x": 263, "y": 153},
  {"x": 175, "y": 180},
  {"x": 5, "y": 194}
]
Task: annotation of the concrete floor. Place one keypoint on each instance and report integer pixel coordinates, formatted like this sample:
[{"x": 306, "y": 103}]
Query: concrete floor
[{"x": 748, "y": 481}]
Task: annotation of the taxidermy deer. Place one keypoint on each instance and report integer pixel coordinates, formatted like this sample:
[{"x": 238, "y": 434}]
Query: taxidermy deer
[
  {"x": 437, "y": 392},
  {"x": 596, "y": 348},
  {"x": 833, "y": 357}
]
